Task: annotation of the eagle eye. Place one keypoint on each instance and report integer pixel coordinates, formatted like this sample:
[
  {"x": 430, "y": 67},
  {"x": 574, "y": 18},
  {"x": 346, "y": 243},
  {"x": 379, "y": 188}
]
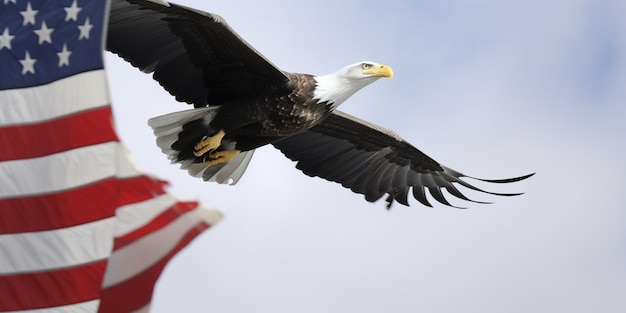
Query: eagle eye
[{"x": 366, "y": 66}]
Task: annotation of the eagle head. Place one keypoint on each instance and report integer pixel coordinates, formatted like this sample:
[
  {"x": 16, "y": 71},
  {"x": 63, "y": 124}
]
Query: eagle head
[
  {"x": 368, "y": 71},
  {"x": 337, "y": 87}
]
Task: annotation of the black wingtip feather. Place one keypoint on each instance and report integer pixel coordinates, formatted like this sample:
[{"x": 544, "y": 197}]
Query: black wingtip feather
[
  {"x": 505, "y": 180},
  {"x": 420, "y": 195},
  {"x": 455, "y": 192}
]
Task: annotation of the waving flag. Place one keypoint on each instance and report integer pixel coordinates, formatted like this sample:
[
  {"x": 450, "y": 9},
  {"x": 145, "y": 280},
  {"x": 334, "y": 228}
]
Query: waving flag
[{"x": 81, "y": 229}]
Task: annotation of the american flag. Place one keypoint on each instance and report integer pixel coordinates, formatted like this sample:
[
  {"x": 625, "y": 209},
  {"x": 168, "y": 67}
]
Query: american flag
[{"x": 81, "y": 228}]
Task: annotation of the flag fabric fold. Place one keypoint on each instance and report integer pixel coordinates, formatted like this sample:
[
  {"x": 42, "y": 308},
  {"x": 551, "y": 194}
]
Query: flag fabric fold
[{"x": 81, "y": 228}]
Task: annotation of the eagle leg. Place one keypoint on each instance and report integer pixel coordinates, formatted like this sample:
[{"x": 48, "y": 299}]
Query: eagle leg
[
  {"x": 208, "y": 143},
  {"x": 218, "y": 157}
]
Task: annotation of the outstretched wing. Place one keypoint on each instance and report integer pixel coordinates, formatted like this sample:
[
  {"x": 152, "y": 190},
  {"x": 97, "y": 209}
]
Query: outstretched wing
[
  {"x": 194, "y": 55},
  {"x": 374, "y": 161}
]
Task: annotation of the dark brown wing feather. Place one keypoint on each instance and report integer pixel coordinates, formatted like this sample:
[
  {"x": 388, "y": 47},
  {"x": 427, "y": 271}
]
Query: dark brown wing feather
[
  {"x": 194, "y": 55},
  {"x": 374, "y": 161}
]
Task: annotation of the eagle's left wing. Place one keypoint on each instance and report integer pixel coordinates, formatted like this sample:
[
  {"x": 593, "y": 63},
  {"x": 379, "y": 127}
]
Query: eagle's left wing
[
  {"x": 374, "y": 161},
  {"x": 196, "y": 56}
]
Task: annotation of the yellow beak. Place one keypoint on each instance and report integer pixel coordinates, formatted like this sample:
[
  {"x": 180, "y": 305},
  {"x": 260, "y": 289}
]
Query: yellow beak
[{"x": 380, "y": 71}]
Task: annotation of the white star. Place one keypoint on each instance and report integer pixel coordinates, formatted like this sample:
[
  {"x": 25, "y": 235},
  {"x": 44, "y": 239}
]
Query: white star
[
  {"x": 44, "y": 33},
  {"x": 7, "y": 1},
  {"x": 64, "y": 56},
  {"x": 71, "y": 13},
  {"x": 5, "y": 39},
  {"x": 29, "y": 15},
  {"x": 84, "y": 30},
  {"x": 28, "y": 64}
]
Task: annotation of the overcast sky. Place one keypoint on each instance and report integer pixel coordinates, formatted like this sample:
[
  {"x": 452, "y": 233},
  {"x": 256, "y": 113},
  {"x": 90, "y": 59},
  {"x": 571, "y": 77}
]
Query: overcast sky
[{"x": 488, "y": 87}]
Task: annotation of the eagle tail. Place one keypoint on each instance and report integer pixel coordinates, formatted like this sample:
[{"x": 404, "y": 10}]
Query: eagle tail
[{"x": 176, "y": 134}]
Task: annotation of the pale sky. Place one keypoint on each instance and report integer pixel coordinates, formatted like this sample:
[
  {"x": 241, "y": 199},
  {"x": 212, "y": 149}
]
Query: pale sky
[{"x": 492, "y": 88}]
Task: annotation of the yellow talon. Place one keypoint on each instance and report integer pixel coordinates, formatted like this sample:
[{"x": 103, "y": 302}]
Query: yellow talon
[
  {"x": 208, "y": 144},
  {"x": 220, "y": 157}
]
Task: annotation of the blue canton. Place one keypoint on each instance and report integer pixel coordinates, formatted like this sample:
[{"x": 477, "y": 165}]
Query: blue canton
[{"x": 45, "y": 40}]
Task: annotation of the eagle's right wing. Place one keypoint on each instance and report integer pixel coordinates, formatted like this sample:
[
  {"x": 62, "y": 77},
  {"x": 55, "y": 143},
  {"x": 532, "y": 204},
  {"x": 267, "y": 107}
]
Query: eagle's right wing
[{"x": 374, "y": 161}]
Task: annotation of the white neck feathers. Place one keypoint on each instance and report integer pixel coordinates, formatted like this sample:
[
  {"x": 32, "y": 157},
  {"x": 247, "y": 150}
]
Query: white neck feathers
[{"x": 337, "y": 87}]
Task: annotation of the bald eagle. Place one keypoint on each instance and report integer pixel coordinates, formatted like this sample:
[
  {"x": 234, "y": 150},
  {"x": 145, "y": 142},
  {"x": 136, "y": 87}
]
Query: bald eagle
[{"x": 242, "y": 102}]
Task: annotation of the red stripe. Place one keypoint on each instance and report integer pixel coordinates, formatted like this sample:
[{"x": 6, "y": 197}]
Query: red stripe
[
  {"x": 139, "y": 188},
  {"x": 61, "y": 134},
  {"x": 155, "y": 224},
  {"x": 50, "y": 289},
  {"x": 76, "y": 206},
  {"x": 73, "y": 207},
  {"x": 136, "y": 292}
]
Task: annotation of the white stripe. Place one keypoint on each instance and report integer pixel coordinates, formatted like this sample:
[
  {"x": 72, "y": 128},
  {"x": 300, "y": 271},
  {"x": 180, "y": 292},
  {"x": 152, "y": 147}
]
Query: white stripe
[
  {"x": 65, "y": 170},
  {"x": 62, "y": 97},
  {"x": 53, "y": 249},
  {"x": 83, "y": 307},
  {"x": 140, "y": 255},
  {"x": 57, "y": 171},
  {"x": 133, "y": 216},
  {"x": 126, "y": 166}
]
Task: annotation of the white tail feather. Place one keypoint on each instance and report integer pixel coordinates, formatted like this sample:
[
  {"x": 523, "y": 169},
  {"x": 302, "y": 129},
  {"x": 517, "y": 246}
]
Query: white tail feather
[
  {"x": 166, "y": 128},
  {"x": 181, "y": 117},
  {"x": 234, "y": 169}
]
